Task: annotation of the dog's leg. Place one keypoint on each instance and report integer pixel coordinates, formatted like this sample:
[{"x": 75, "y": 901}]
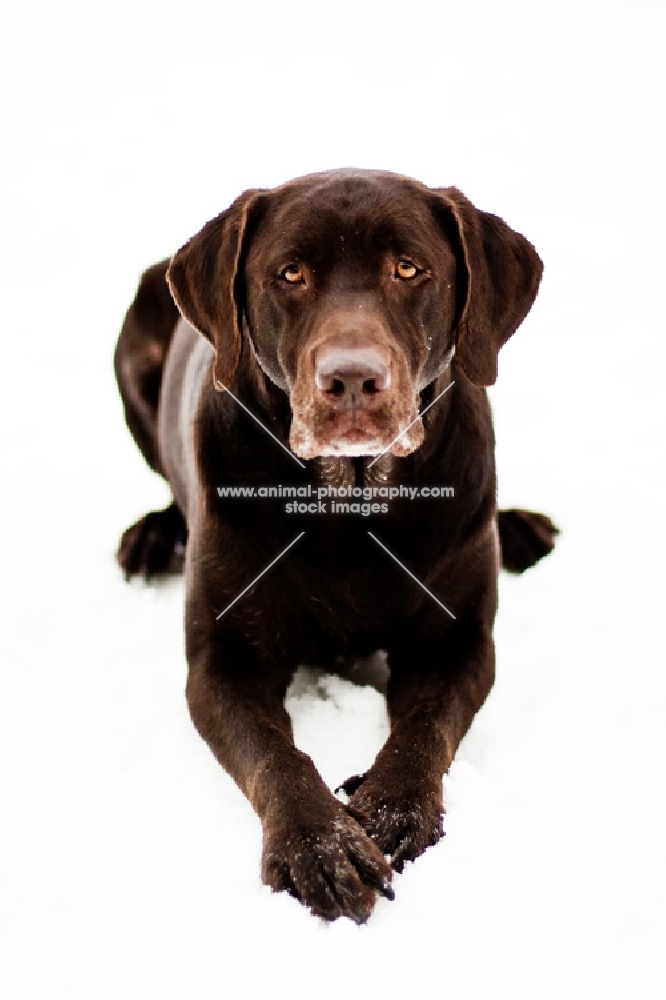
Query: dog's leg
[
  {"x": 434, "y": 692},
  {"x": 313, "y": 848}
]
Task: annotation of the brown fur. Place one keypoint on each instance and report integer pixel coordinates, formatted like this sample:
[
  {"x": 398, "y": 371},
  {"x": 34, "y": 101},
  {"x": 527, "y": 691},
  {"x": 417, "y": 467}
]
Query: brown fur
[{"x": 313, "y": 326}]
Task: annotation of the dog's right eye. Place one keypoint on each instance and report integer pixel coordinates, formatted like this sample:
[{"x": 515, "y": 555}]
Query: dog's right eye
[{"x": 293, "y": 273}]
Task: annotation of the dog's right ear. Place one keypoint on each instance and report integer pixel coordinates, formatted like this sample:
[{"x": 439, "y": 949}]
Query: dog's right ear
[{"x": 205, "y": 283}]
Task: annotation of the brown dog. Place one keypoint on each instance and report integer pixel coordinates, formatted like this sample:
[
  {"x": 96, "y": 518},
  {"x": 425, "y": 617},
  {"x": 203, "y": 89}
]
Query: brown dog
[{"x": 334, "y": 310}]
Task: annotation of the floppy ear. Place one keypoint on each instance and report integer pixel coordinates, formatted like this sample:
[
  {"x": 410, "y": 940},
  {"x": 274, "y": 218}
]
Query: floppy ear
[
  {"x": 503, "y": 271},
  {"x": 204, "y": 281}
]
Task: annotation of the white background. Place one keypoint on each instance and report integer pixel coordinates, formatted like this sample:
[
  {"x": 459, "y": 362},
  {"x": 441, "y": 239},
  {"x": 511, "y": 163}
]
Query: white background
[{"x": 129, "y": 860}]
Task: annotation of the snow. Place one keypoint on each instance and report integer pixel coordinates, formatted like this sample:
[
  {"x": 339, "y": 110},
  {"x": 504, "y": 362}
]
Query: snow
[{"x": 130, "y": 862}]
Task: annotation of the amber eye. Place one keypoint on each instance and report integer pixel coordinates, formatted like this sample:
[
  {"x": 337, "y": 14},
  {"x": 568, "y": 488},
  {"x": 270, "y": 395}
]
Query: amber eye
[
  {"x": 405, "y": 270},
  {"x": 293, "y": 273}
]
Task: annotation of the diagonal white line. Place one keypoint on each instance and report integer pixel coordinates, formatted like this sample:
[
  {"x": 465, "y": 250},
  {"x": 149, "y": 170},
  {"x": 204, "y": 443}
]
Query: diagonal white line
[
  {"x": 277, "y": 558},
  {"x": 260, "y": 424},
  {"x": 409, "y": 573},
  {"x": 417, "y": 417}
]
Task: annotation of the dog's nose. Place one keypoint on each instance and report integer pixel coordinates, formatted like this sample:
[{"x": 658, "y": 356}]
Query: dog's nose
[{"x": 352, "y": 376}]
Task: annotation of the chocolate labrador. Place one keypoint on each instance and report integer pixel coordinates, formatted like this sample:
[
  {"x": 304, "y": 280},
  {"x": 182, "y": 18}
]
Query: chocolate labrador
[{"x": 332, "y": 338}]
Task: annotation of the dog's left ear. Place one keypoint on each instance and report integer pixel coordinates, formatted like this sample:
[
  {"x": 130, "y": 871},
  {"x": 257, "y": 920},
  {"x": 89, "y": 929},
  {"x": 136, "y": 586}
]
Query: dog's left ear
[
  {"x": 204, "y": 280},
  {"x": 503, "y": 271}
]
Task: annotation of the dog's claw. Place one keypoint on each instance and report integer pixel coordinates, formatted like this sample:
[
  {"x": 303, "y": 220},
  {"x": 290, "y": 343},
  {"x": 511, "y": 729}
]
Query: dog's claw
[
  {"x": 387, "y": 890},
  {"x": 351, "y": 784}
]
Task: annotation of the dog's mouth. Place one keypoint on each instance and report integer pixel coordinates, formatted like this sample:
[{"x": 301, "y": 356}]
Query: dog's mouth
[
  {"x": 353, "y": 442},
  {"x": 316, "y": 432}
]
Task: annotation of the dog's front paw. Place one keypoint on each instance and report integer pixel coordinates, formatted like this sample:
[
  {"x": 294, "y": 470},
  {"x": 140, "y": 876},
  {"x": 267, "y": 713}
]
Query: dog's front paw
[
  {"x": 333, "y": 868},
  {"x": 402, "y": 823}
]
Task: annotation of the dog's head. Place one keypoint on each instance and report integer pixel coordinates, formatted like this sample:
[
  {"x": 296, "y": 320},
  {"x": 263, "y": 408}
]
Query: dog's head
[{"x": 355, "y": 288}]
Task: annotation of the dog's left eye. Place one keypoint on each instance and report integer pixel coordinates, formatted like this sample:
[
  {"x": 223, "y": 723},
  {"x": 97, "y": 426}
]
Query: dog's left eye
[
  {"x": 293, "y": 273},
  {"x": 405, "y": 269}
]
